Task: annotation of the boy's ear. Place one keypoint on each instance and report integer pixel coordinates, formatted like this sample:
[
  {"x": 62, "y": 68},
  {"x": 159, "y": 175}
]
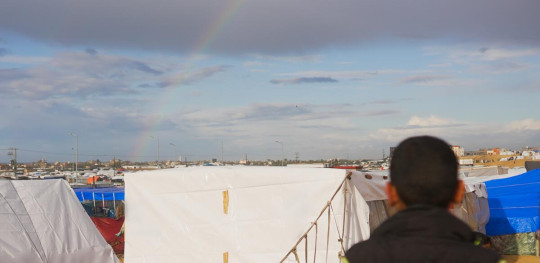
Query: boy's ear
[
  {"x": 391, "y": 192},
  {"x": 460, "y": 192}
]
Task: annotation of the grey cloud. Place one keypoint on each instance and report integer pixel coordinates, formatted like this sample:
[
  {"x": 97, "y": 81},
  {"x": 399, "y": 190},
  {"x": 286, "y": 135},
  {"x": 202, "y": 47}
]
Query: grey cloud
[
  {"x": 278, "y": 26},
  {"x": 500, "y": 67},
  {"x": 274, "y": 112},
  {"x": 383, "y": 102},
  {"x": 78, "y": 75},
  {"x": 423, "y": 79},
  {"x": 12, "y": 74},
  {"x": 4, "y": 51},
  {"x": 304, "y": 80},
  {"x": 290, "y": 59},
  {"x": 104, "y": 65},
  {"x": 143, "y": 67},
  {"x": 380, "y": 113},
  {"x": 91, "y": 51}
]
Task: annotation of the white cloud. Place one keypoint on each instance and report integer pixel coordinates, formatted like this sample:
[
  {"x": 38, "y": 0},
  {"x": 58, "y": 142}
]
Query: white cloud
[
  {"x": 430, "y": 121},
  {"x": 485, "y": 59},
  {"x": 427, "y": 79},
  {"x": 524, "y": 125},
  {"x": 348, "y": 74},
  {"x": 189, "y": 77},
  {"x": 472, "y": 135},
  {"x": 492, "y": 54}
]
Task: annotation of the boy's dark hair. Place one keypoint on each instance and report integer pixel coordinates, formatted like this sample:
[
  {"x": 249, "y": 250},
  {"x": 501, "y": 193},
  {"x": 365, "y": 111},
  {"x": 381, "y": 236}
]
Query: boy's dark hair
[{"x": 424, "y": 171}]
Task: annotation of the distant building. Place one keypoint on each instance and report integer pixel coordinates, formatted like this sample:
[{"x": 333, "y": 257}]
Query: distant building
[
  {"x": 471, "y": 153},
  {"x": 458, "y": 150},
  {"x": 467, "y": 162}
]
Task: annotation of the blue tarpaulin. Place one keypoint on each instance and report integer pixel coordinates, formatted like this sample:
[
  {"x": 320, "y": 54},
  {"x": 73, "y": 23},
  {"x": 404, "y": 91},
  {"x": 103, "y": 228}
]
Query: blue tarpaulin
[
  {"x": 99, "y": 194},
  {"x": 514, "y": 204}
]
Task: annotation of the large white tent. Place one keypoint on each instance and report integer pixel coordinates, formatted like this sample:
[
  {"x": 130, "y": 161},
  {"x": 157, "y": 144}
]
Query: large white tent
[
  {"x": 242, "y": 214},
  {"x": 260, "y": 214},
  {"x": 42, "y": 221}
]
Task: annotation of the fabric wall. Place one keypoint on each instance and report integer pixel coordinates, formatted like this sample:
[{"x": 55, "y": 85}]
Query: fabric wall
[
  {"x": 109, "y": 227},
  {"x": 246, "y": 214}
]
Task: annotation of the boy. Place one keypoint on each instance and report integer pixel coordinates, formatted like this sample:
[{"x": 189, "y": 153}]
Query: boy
[{"x": 423, "y": 185}]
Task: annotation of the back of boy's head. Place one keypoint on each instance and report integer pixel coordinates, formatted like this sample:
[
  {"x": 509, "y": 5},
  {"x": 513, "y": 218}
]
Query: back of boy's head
[{"x": 424, "y": 171}]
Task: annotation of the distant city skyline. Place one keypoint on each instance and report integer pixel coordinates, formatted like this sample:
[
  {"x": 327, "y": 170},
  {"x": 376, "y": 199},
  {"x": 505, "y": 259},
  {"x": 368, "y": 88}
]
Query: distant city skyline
[{"x": 336, "y": 79}]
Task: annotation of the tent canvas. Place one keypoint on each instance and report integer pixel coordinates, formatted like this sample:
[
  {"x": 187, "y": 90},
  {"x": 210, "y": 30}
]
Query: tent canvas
[
  {"x": 371, "y": 185},
  {"x": 42, "y": 221},
  {"x": 242, "y": 214},
  {"x": 514, "y": 204},
  {"x": 100, "y": 194}
]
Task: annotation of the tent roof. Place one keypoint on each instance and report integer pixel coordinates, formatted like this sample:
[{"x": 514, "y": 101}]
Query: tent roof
[
  {"x": 514, "y": 204},
  {"x": 107, "y": 194},
  {"x": 42, "y": 221}
]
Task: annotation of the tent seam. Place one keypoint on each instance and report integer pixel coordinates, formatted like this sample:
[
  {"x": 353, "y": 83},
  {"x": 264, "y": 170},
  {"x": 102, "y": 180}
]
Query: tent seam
[{"x": 31, "y": 221}]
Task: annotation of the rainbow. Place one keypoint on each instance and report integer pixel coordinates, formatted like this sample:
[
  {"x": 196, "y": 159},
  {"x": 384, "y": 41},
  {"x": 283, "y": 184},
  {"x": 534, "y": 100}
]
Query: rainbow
[{"x": 206, "y": 39}]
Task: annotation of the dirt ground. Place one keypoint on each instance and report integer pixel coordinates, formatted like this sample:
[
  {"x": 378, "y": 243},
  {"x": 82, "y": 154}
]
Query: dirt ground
[{"x": 521, "y": 259}]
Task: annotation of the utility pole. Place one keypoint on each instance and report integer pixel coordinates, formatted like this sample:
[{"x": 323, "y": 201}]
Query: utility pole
[
  {"x": 13, "y": 152},
  {"x": 296, "y": 154},
  {"x": 76, "y": 152}
]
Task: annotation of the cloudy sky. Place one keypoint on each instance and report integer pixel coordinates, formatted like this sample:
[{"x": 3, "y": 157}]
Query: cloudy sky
[{"x": 329, "y": 79}]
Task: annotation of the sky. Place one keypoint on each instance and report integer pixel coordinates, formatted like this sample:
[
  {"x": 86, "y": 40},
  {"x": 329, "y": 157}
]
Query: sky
[{"x": 264, "y": 79}]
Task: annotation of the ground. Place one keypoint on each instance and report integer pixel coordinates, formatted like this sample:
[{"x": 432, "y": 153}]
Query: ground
[{"x": 521, "y": 259}]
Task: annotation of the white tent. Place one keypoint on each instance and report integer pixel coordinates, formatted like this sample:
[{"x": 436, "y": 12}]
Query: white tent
[
  {"x": 242, "y": 214},
  {"x": 42, "y": 221},
  {"x": 473, "y": 210}
]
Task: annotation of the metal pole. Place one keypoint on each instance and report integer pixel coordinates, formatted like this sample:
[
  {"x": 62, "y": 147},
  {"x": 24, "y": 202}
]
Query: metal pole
[
  {"x": 175, "y": 153},
  {"x": 76, "y": 152}
]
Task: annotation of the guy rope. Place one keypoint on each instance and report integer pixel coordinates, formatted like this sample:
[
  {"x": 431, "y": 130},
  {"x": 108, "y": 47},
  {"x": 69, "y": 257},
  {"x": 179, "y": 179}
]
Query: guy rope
[{"x": 330, "y": 212}]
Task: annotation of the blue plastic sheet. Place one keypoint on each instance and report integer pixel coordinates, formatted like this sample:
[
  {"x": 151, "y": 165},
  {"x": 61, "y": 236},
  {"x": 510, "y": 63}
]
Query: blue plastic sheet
[
  {"x": 99, "y": 194},
  {"x": 514, "y": 204}
]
